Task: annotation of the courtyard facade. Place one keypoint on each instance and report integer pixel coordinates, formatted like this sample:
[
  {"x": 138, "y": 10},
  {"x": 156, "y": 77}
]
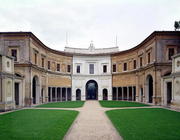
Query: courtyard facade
[{"x": 32, "y": 73}]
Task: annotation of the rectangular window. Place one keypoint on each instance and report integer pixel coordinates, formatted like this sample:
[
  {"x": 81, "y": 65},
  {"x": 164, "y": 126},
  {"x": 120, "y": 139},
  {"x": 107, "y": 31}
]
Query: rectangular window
[
  {"x": 141, "y": 63},
  {"x": 170, "y": 53},
  {"x": 114, "y": 67},
  {"x": 125, "y": 66},
  {"x": 149, "y": 57},
  {"x": 68, "y": 68},
  {"x": 49, "y": 65},
  {"x": 35, "y": 58},
  {"x": 134, "y": 64},
  {"x": 105, "y": 68},
  {"x": 91, "y": 68},
  {"x": 42, "y": 60},
  {"x": 14, "y": 54},
  {"x": 58, "y": 67},
  {"x": 78, "y": 70}
]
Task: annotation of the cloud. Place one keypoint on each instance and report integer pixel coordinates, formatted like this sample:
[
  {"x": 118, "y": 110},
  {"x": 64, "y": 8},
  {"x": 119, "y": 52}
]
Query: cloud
[{"x": 88, "y": 20}]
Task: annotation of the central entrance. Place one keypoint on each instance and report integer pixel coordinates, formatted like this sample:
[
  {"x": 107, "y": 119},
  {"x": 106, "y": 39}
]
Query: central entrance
[{"x": 91, "y": 90}]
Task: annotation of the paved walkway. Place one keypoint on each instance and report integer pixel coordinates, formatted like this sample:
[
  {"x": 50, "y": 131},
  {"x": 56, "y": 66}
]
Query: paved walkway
[{"x": 92, "y": 124}]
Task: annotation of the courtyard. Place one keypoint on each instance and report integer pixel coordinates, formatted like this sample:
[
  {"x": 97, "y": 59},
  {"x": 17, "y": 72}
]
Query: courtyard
[
  {"x": 107, "y": 120},
  {"x": 90, "y": 70}
]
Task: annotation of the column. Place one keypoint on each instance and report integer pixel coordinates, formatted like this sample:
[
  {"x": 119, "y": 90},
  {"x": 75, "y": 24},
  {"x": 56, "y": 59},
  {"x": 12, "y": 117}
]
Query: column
[
  {"x": 132, "y": 93},
  {"x": 50, "y": 94},
  {"x": 128, "y": 93},
  {"x": 56, "y": 94},
  {"x": 66, "y": 94},
  {"x": 116, "y": 93},
  {"x": 172, "y": 89},
  {"x": 112, "y": 93},
  {"x": 122, "y": 93}
]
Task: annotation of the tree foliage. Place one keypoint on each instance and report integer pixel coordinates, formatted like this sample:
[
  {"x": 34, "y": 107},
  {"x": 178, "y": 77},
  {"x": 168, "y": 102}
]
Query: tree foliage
[{"x": 177, "y": 25}]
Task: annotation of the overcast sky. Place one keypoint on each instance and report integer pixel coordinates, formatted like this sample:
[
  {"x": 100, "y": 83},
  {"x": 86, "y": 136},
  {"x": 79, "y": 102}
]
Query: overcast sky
[{"x": 85, "y": 20}]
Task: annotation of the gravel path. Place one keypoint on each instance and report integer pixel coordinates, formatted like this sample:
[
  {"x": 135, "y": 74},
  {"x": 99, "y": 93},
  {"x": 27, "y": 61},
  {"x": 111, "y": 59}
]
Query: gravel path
[{"x": 92, "y": 124}]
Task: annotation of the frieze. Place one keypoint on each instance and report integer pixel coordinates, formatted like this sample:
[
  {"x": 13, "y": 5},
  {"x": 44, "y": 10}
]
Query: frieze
[{"x": 15, "y": 43}]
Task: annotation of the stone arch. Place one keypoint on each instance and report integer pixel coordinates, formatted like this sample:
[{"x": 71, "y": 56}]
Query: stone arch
[{"x": 91, "y": 90}]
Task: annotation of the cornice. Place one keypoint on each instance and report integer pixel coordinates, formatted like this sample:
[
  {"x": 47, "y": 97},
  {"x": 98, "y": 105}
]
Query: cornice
[{"x": 31, "y": 35}]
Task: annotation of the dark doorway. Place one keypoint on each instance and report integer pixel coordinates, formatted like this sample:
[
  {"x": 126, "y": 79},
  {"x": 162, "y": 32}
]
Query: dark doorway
[
  {"x": 69, "y": 94},
  {"x": 49, "y": 94},
  {"x": 16, "y": 93},
  {"x": 63, "y": 94},
  {"x": 91, "y": 90},
  {"x": 169, "y": 92},
  {"x": 150, "y": 88},
  {"x": 34, "y": 90},
  {"x": 125, "y": 93},
  {"x": 119, "y": 93},
  {"x": 78, "y": 95},
  {"x": 142, "y": 94},
  {"x": 130, "y": 93},
  {"x": 114, "y": 93},
  {"x": 105, "y": 94},
  {"x": 42, "y": 95},
  {"x": 58, "y": 94},
  {"x": 53, "y": 94},
  {"x": 134, "y": 89}
]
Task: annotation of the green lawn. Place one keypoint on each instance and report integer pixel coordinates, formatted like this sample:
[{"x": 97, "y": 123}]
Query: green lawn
[
  {"x": 69, "y": 104},
  {"x": 36, "y": 124},
  {"x": 146, "y": 124},
  {"x": 120, "y": 104}
]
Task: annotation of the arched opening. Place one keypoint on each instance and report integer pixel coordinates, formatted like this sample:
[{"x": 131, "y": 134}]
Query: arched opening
[
  {"x": 105, "y": 94},
  {"x": 91, "y": 90},
  {"x": 149, "y": 81},
  {"x": 35, "y": 90},
  {"x": 78, "y": 95},
  {"x": 42, "y": 95}
]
